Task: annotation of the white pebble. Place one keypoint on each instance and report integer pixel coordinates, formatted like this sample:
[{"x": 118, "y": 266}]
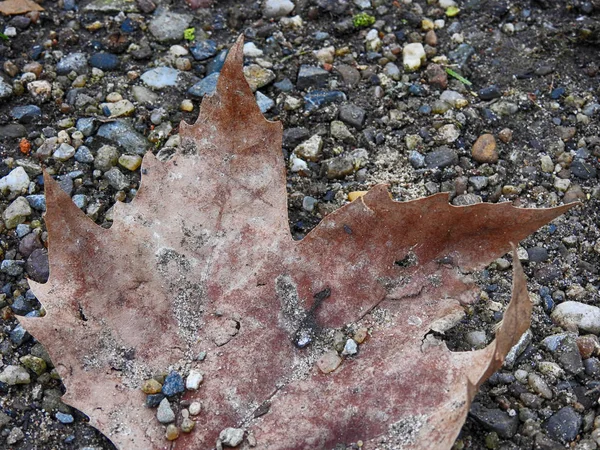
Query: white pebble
[
  {"x": 195, "y": 408},
  {"x": 193, "y": 381},
  {"x": 15, "y": 181},
  {"x": 413, "y": 55},
  {"x": 251, "y": 50}
]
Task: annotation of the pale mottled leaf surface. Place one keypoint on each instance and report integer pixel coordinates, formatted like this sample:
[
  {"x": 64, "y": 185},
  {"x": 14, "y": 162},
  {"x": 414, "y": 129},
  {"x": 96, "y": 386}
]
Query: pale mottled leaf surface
[{"x": 203, "y": 260}]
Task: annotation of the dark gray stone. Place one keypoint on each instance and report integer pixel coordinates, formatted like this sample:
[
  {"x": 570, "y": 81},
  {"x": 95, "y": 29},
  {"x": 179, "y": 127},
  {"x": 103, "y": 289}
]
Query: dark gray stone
[
  {"x": 592, "y": 367},
  {"x": 104, "y": 61},
  {"x": 583, "y": 170},
  {"x": 18, "y": 335},
  {"x": 537, "y": 254},
  {"x": 86, "y": 125},
  {"x": 547, "y": 274},
  {"x": 37, "y": 202},
  {"x": 461, "y": 54},
  {"x": 13, "y": 130},
  {"x": 26, "y": 114},
  {"x": 284, "y": 85},
  {"x": 311, "y": 76},
  {"x": 495, "y": 420},
  {"x": 29, "y": 243},
  {"x": 173, "y": 384},
  {"x": 217, "y": 63},
  {"x": 568, "y": 356},
  {"x": 353, "y": 115},
  {"x": 441, "y": 158},
  {"x": 22, "y": 305},
  {"x": 416, "y": 159},
  {"x": 206, "y": 86},
  {"x": 294, "y": 136},
  {"x": 37, "y": 266},
  {"x": 489, "y": 93},
  {"x": 315, "y": 99},
  {"x": 203, "y": 49},
  {"x": 123, "y": 134},
  {"x": 564, "y": 425}
]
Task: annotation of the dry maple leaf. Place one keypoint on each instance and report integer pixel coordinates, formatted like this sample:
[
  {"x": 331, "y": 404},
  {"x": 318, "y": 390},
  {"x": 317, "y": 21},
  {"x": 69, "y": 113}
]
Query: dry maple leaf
[
  {"x": 203, "y": 260},
  {"x": 14, "y": 7}
]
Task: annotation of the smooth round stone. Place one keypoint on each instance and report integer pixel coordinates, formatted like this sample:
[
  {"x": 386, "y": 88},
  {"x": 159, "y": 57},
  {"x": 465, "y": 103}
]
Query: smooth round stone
[
  {"x": 64, "y": 152},
  {"x": 329, "y": 361},
  {"x": 277, "y": 8},
  {"x": 484, "y": 149},
  {"x": 575, "y": 316},
  {"x": 195, "y": 408},
  {"x": 172, "y": 432},
  {"x": 489, "y": 93}
]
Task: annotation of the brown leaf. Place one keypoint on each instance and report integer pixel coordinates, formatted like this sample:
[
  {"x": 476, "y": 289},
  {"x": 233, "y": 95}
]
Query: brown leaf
[
  {"x": 14, "y": 7},
  {"x": 203, "y": 260}
]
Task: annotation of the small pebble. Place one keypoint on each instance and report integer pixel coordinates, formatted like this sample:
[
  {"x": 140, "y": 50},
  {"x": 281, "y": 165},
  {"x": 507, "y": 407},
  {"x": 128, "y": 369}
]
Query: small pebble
[
  {"x": 165, "y": 414},
  {"x": 329, "y": 361},
  {"x": 193, "y": 380},
  {"x": 351, "y": 348},
  {"x": 231, "y": 437},
  {"x": 484, "y": 149},
  {"x": 151, "y": 386},
  {"x": 195, "y": 408},
  {"x": 172, "y": 432},
  {"x": 187, "y": 425}
]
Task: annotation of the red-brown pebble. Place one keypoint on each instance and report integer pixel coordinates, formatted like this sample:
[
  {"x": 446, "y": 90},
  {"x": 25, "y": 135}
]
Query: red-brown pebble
[
  {"x": 437, "y": 76},
  {"x": 587, "y": 345},
  {"x": 505, "y": 135},
  {"x": 431, "y": 38}
]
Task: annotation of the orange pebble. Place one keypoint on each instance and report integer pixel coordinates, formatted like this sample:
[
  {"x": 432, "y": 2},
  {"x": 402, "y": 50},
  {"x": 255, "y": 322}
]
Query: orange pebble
[{"x": 25, "y": 146}]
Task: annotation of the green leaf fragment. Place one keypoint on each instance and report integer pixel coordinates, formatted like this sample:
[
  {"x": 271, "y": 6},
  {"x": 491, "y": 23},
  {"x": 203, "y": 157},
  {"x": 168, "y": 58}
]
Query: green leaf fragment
[
  {"x": 459, "y": 77},
  {"x": 363, "y": 20},
  {"x": 452, "y": 11},
  {"x": 189, "y": 34}
]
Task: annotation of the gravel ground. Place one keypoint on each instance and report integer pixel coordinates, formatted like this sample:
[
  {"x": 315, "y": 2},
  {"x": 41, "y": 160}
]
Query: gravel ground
[{"x": 88, "y": 87}]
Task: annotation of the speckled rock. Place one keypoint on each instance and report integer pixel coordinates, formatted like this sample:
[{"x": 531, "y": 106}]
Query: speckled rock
[
  {"x": 564, "y": 425},
  {"x": 168, "y": 26},
  {"x": 231, "y": 437},
  {"x": 165, "y": 414},
  {"x": 16, "y": 213},
  {"x": 13, "y": 375},
  {"x": 575, "y": 316}
]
